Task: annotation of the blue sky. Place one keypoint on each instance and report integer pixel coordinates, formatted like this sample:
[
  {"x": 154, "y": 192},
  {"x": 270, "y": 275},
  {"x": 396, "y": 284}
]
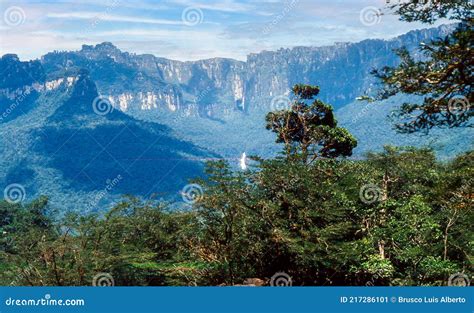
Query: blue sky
[{"x": 191, "y": 29}]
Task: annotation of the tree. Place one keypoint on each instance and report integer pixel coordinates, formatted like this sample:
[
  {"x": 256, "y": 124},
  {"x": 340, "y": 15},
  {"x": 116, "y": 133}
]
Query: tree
[
  {"x": 230, "y": 240},
  {"x": 309, "y": 129},
  {"x": 309, "y": 220},
  {"x": 135, "y": 243},
  {"x": 443, "y": 75},
  {"x": 455, "y": 200}
]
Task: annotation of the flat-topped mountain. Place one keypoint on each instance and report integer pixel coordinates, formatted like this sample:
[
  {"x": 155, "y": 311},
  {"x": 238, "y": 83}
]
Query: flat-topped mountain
[{"x": 74, "y": 121}]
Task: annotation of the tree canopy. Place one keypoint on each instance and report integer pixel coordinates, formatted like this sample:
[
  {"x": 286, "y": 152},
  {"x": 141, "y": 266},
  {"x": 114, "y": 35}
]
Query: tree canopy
[
  {"x": 398, "y": 217},
  {"x": 441, "y": 73},
  {"x": 309, "y": 129}
]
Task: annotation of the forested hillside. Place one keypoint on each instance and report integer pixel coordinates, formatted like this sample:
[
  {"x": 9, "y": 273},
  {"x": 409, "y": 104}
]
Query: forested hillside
[
  {"x": 309, "y": 214},
  {"x": 307, "y": 217}
]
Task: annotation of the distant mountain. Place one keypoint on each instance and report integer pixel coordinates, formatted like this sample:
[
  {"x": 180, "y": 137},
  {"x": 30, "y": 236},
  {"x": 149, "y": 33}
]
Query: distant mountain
[
  {"x": 228, "y": 96},
  {"x": 57, "y": 142},
  {"x": 372, "y": 125},
  {"x": 75, "y": 121},
  {"x": 216, "y": 86}
]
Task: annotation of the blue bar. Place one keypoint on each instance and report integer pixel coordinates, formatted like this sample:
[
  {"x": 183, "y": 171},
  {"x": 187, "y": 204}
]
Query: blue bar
[{"x": 237, "y": 299}]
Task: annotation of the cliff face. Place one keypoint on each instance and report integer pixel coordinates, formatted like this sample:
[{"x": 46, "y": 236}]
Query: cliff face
[
  {"x": 72, "y": 121},
  {"x": 342, "y": 71},
  {"x": 57, "y": 141},
  {"x": 144, "y": 82},
  {"x": 215, "y": 87}
]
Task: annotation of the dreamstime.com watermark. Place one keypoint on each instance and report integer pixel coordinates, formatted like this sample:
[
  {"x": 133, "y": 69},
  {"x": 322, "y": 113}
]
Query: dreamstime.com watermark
[
  {"x": 104, "y": 15},
  {"x": 103, "y": 280},
  {"x": 290, "y": 5},
  {"x": 14, "y": 193},
  {"x": 370, "y": 193},
  {"x": 192, "y": 16},
  {"x": 459, "y": 280},
  {"x": 14, "y": 16},
  {"x": 98, "y": 196},
  {"x": 45, "y": 301},
  {"x": 18, "y": 100},
  {"x": 102, "y": 106},
  {"x": 281, "y": 102}
]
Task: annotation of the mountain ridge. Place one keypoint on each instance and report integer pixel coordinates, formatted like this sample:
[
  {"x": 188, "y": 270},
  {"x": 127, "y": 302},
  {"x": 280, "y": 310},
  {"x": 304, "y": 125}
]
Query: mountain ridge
[
  {"x": 74, "y": 120},
  {"x": 64, "y": 147},
  {"x": 255, "y": 81}
]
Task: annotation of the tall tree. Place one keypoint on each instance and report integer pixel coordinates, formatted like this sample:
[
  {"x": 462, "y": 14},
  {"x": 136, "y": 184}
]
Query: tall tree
[
  {"x": 443, "y": 73},
  {"x": 309, "y": 129}
]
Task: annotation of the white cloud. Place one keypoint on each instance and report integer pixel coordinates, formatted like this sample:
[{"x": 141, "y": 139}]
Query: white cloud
[
  {"x": 112, "y": 18},
  {"x": 231, "y": 28},
  {"x": 222, "y": 5}
]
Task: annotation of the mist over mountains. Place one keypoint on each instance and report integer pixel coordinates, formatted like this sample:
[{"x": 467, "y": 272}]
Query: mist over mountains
[{"x": 75, "y": 123}]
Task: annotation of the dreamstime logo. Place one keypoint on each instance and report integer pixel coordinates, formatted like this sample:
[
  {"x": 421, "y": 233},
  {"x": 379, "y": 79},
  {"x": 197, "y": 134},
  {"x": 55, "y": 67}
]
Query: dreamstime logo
[
  {"x": 14, "y": 16},
  {"x": 370, "y": 193},
  {"x": 280, "y": 103},
  {"x": 181, "y": 113},
  {"x": 24, "y": 276},
  {"x": 14, "y": 193},
  {"x": 102, "y": 106},
  {"x": 459, "y": 280},
  {"x": 202, "y": 95},
  {"x": 458, "y": 105},
  {"x": 103, "y": 280},
  {"x": 140, "y": 77},
  {"x": 370, "y": 16},
  {"x": 379, "y": 274},
  {"x": 192, "y": 16},
  {"x": 192, "y": 193},
  {"x": 281, "y": 279}
]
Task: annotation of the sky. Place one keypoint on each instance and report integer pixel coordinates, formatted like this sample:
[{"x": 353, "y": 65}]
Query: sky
[{"x": 191, "y": 29}]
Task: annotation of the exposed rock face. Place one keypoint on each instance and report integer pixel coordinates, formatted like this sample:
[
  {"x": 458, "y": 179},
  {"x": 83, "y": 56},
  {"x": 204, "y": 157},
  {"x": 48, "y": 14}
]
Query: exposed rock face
[
  {"x": 166, "y": 116},
  {"x": 217, "y": 86},
  {"x": 144, "y": 82},
  {"x": 55, "y": 141}
]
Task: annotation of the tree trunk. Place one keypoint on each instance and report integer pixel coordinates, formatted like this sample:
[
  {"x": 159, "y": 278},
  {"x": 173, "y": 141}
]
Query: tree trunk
[{"x": 383, "y": 213}]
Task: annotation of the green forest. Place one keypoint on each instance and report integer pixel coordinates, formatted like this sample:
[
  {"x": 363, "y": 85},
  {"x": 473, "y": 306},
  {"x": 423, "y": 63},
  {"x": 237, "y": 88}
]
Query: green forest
[
  {"x": 397, "y": 218},
  {"x": 311, "y": 216}
]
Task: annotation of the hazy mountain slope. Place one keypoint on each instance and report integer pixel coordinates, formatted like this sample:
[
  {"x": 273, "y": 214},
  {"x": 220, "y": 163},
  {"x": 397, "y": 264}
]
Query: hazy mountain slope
[
  {"x": 371, "y": 124},
  {"x": 216, "y": 87},
  {"x": 85, "y": 127},
  {"x": 62, "y": 148},
  {"x": 227, "y": 97}
]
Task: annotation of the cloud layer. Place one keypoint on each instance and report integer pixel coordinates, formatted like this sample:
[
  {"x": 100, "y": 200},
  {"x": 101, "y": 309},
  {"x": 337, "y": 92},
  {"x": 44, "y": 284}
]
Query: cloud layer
[{"x": 190, "y": 30}]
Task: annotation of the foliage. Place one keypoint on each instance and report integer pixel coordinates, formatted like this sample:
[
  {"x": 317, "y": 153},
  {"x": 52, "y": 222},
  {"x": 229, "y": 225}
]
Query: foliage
[
  {"x": 397, "y": 217},
  {"x": 443, "y": 73},
  {"x": 310, "y": 221},
  {"x": 309, "y": 130}
]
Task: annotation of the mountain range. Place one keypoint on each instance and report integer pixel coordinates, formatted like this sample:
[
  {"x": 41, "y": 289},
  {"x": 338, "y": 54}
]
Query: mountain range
[{"x": 85, "y": 127}]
